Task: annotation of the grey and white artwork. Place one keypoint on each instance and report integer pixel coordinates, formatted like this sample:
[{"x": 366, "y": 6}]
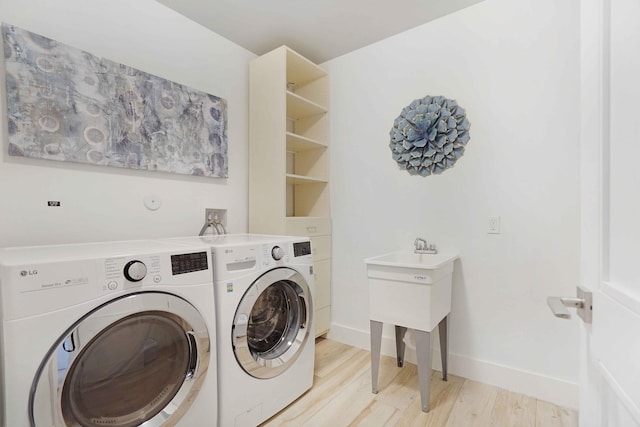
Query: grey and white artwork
[
  {"x": 69, "y": 105},
  {"x": 429, "y": 135}
]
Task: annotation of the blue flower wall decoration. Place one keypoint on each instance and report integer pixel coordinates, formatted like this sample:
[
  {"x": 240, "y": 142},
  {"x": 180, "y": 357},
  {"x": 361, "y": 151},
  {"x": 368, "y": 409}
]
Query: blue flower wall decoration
[{"x": 429, "y": 135}]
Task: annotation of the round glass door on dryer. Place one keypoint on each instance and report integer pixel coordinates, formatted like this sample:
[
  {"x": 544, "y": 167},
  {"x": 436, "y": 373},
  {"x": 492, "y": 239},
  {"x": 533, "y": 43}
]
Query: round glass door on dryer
[
  {"x": 272, "y": 323},
  {"x": 136, "y": 360}
]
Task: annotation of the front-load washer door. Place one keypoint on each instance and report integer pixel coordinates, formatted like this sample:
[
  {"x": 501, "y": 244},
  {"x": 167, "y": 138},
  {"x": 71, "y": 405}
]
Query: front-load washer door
[
  {"x": 136, "y": 360},
  {"x": 272, "y": 323}
]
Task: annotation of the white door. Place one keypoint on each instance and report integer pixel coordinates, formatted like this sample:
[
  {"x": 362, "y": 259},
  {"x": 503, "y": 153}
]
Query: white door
[{"x": 610, "y": 208}]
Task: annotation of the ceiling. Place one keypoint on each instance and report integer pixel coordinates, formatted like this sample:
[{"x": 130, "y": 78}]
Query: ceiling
[{"x": 318, "y": 29}]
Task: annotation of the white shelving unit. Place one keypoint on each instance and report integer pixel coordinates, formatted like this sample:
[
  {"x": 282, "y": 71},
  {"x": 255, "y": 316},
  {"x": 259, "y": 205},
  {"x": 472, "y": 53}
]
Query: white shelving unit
[{"x": 289, "y": 159}]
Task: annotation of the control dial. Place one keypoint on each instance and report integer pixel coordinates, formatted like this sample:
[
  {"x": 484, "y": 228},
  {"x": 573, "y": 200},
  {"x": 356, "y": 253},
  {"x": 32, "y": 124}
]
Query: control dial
[
  {"x": 277, "y": 253},
  {"x": 135, "y": 271}
]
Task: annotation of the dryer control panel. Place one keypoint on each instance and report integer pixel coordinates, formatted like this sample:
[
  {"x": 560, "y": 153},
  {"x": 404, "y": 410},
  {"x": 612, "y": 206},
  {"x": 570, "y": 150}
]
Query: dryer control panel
[
  {"x": 302, "y": 248},
  {"x": 236, "y": 260}
]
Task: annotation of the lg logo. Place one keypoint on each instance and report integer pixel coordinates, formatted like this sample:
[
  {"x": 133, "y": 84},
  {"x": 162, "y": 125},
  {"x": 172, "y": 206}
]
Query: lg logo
[{"x": 25, "y": 273}]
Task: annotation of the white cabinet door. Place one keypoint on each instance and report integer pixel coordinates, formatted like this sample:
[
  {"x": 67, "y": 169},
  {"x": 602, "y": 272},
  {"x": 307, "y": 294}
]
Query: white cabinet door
[{"x": 610, "y": 209}]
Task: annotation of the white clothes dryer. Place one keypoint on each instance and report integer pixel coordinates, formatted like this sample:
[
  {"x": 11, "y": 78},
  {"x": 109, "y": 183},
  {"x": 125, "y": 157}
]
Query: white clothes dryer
[
  {"x": 118, "y": 334},
  {"x": 264, "y": 290}
]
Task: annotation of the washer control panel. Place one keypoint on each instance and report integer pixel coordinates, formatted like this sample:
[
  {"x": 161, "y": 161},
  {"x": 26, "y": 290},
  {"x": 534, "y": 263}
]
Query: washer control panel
[
  {"x": 135, "y": 270},
  {"x": 122, "y": 273},
  {"x": 125, "y": 272},
  {"x": 49, "y": 278},
  {"x": 188, "y": 263}
]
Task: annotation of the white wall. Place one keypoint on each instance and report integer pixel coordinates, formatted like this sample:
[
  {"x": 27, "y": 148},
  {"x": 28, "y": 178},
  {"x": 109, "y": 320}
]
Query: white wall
[
  {"x": 101, "y": 203},
  {"x": 514, "y": 66}
]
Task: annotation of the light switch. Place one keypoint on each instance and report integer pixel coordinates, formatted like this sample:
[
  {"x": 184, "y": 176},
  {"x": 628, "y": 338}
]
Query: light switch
[{"x": 494, "y": 225}]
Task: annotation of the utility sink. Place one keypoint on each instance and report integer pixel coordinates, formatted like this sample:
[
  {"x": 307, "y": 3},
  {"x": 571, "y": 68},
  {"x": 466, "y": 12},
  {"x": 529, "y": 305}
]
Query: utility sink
[
  {"x": 407, "y": 259},
  {"x": 410, "y": 289}
]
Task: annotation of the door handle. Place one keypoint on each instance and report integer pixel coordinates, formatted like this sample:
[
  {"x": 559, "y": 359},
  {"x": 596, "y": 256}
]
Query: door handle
[{"x": 583, "y": 303}]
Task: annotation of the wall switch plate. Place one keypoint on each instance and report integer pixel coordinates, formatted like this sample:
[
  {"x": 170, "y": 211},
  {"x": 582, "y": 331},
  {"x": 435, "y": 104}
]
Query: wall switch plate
[{"x": 494, "y": 225}]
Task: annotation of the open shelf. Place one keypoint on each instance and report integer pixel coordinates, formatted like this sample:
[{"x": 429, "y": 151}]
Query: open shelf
[
  {"x": 301, "y": 179},
  {"x": 289, "y": 190},
  {"x": 299, "y": 143},
  {"x": 299, "y": 107},
  {"x": 301, "y": 71}
]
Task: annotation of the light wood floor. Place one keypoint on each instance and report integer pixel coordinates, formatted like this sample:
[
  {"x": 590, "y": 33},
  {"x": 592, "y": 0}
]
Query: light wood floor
[{"x": 341, "y": 396}]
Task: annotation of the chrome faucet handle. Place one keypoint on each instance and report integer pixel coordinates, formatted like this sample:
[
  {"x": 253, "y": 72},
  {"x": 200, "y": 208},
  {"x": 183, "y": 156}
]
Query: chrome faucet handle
[
  {"x": 422, "y": 247},
  {"x": 420, "y": 244}
]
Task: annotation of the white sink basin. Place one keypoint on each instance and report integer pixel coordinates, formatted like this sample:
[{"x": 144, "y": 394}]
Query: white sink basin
[
  {"x": 407, "y": 259},
  {"x": 409, "y": 289}
]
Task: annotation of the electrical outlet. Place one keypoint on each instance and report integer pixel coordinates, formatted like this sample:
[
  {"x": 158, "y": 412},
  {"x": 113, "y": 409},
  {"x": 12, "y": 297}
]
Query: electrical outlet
[{"x": 494, "y": 225}]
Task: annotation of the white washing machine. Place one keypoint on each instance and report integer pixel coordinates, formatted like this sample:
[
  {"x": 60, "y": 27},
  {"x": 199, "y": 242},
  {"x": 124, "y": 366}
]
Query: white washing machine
[
  {"x": 118, "y": 334},
  {"x": 264, "y": 291}
]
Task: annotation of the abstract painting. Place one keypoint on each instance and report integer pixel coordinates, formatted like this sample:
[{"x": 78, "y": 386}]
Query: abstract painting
[{"x": 69, "y": 105}]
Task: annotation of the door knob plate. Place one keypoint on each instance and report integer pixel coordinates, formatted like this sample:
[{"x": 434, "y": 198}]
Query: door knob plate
[{"x": 583, "y": 302}]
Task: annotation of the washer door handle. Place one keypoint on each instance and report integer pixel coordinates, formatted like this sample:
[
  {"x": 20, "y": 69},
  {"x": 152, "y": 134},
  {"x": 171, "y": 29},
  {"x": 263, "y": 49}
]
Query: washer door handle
[
  {"x": 193, "y": 355},
  {"x": 70, "y": 340}
]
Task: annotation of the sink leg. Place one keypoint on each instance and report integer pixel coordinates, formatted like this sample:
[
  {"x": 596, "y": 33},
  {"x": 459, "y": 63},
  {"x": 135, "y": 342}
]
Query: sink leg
[
  {"x": 423, "y": 353},
  {"x": 376, "y": 341},
  {"x": 400, "y": 345},
  {"x": 443, "y": 331}
]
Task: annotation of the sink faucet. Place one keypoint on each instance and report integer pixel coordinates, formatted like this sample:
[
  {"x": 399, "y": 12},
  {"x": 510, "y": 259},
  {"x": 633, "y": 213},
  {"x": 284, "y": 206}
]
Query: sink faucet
[{"x": 421, "y": 247}]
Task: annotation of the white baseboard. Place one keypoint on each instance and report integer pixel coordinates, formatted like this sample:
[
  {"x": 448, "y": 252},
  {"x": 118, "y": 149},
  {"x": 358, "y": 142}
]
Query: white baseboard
[{"x": 560, "y": 392}]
